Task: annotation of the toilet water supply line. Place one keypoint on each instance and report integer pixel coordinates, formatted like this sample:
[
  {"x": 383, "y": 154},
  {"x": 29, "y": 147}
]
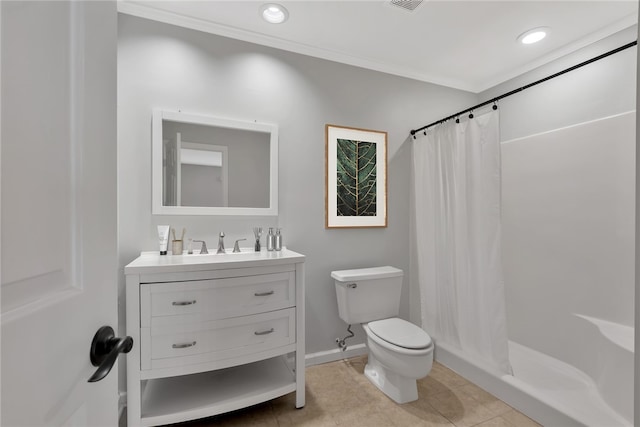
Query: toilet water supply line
[{"x": 341, "y": 342}]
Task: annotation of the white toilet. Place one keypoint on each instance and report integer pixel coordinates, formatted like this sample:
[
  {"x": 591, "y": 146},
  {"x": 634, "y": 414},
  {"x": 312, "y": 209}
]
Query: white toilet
[{"x": 399, "y": 352}]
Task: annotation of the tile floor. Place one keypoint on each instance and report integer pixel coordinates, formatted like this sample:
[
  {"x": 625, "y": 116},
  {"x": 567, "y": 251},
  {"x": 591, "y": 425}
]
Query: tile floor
[{"x": 339, "y": 394}]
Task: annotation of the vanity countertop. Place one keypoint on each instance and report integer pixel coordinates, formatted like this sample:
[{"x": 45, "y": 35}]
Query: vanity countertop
[{"x": 153, "y": 262}]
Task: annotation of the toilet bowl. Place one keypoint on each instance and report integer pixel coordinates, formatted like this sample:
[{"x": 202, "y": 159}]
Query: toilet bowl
[{"x": 400, "y": 352}]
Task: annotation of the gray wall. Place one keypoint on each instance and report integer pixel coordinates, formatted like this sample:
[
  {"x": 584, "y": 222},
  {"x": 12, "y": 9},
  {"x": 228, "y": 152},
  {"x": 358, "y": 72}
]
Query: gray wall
[
  {"x": 162, "y": 66},
  {"x": 572, "y": 208}
]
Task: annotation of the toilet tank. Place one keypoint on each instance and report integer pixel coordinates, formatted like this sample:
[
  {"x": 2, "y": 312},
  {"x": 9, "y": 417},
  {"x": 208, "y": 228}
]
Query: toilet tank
[{"x": 368, "y": 294}]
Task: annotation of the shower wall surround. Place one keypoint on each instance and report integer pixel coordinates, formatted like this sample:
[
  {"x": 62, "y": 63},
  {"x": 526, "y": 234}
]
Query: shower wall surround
[
  {"x": 568, "y": 233},
  {"x": 569, "y": 145},
  {"x": 568, "y": 203},
  {"x": 163, "y": 66}
]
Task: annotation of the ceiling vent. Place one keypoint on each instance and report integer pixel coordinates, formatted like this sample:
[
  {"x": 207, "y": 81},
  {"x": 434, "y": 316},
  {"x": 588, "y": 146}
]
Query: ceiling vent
[{"x": 408, "y": 5}]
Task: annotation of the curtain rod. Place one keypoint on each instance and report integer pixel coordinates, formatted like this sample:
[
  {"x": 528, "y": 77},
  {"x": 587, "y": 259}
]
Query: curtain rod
[{"x": 520, "y": 89}]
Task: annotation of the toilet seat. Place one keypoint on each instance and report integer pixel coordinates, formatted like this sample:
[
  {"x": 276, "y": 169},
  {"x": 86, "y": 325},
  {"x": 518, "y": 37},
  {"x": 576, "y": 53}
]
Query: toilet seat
[{"x": 400, "y": 333}]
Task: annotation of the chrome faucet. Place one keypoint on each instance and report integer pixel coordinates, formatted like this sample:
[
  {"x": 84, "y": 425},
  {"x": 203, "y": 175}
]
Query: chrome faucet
[
  {"x": 221, "y": 243},
  {"x": 203, "y": 249},
  {"x": 236, "y": 247}
]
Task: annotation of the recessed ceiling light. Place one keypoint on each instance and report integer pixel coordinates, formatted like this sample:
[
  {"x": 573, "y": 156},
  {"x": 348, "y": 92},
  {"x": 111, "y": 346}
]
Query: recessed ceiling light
[
  {"x": 274, "y": 13},
  {"x": 534, "y": 35}
]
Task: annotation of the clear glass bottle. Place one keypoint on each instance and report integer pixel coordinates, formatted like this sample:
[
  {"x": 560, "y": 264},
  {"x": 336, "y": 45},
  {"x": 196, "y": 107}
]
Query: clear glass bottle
[
  {"x": 278, "y": 240},
  {"x": 270, "y": 239}
]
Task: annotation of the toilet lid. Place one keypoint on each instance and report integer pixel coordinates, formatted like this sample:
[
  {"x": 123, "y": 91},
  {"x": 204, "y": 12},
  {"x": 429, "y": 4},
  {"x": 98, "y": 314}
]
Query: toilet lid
[{"x": 400, "y": 332}]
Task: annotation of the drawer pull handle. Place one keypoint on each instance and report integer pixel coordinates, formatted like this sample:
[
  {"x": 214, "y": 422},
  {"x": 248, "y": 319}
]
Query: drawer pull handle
[
  {"x": 263, "y": 294},
  {"x": 264, "y": 332},
  {"x": 185, "y": 345},
  {"x": 184, "y": 302}
]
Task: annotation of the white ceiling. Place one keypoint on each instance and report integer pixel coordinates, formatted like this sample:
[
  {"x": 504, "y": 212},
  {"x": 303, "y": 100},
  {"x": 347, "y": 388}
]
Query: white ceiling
[{"x": 469, "y": 45}]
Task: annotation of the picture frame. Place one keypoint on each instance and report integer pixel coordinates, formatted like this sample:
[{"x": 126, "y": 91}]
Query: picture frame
[{"x": 356, "y": 177}]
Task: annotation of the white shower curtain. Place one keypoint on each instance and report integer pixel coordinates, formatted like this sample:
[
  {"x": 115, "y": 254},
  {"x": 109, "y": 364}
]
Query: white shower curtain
[{"x": 456, "y": 171}]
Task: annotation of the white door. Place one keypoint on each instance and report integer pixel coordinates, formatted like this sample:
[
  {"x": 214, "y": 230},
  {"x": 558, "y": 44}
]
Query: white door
[{"x": 58, "y": 210}]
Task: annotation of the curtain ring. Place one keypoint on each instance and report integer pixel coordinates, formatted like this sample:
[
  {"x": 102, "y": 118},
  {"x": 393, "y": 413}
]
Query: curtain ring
[
  {"x": 457, "y": 119},
  {"x": 495, "y": 105},
  {"x": 471, "y": 115}
]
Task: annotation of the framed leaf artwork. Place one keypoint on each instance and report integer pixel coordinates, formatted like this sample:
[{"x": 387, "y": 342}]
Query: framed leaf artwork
[{"x": 356, "y": 177}]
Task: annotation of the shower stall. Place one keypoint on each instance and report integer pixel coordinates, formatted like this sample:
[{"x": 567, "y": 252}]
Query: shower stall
[
  {"x": 568, "y": 250},
  {"x": 568, "y": 258}
]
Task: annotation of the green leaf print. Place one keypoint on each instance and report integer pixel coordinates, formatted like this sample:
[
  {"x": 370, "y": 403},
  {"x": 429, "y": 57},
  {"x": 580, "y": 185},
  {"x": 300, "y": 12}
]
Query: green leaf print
[{"x": 356, "y": 180}]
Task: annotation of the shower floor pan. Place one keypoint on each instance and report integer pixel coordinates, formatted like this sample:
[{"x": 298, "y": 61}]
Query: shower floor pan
[{"x": 551, "y": 392}]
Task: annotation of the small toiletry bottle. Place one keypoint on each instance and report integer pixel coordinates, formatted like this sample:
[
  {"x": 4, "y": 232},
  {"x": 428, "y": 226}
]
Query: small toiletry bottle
[
  {"x": 270, "y": 239},
  {"x": 278, "y": 240}
]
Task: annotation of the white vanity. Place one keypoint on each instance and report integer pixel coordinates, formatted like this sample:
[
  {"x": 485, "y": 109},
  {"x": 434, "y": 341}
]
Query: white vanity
[{"x": 213, "y": 333}]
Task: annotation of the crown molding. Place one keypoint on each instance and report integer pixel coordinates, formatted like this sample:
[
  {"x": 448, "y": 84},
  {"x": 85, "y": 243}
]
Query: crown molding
[{"x": 149, "y": 12}]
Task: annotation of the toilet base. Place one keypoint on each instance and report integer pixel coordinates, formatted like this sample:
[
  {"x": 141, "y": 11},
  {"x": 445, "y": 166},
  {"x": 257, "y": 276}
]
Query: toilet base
[{"x": 400, "y": 389}]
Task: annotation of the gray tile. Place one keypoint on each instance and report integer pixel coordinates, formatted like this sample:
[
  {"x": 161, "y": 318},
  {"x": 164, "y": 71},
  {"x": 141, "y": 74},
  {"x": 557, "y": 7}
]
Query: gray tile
[
  {"x": 519, "y": 420},
  {"x": 496, "y": 422}
]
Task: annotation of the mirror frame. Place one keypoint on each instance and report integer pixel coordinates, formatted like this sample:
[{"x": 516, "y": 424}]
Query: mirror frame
[{"x": 156, "y": 164}]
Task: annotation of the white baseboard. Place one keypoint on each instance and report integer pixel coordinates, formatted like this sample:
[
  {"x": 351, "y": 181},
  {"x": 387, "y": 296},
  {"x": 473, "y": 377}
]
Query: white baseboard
[{"x": 335, "y": 354}]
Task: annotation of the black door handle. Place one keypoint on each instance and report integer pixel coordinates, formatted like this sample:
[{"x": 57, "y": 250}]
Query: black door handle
[{"x": 105, "y": 349}]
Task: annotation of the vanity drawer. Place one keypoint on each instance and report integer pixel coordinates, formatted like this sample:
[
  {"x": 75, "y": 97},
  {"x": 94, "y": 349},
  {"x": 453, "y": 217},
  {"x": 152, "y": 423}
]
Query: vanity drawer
[
  {"x": 202, "y": 300},
  {"x": 180, "y": 345}
]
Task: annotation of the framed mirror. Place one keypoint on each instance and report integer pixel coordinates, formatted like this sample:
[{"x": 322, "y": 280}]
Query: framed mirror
[{"x": 204, "y": 165}]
